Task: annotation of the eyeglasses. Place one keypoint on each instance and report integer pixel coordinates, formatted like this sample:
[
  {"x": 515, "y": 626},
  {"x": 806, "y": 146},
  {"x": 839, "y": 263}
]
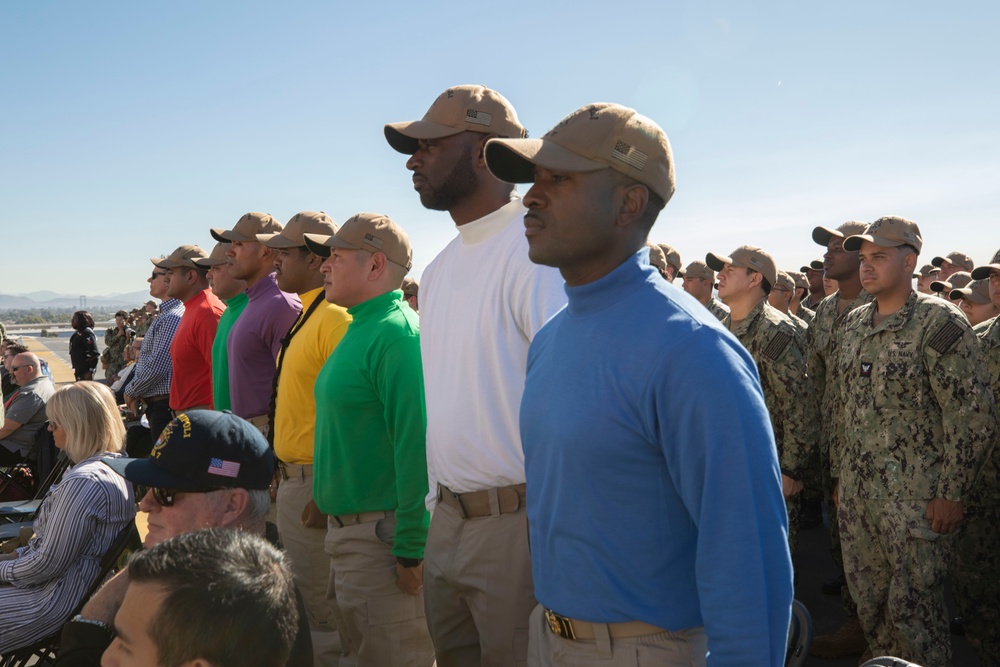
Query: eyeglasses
[
  {"x": 166, "y": 497},
  {"x": 17, "y": 368},
  {"x": 157, "y": 274}
]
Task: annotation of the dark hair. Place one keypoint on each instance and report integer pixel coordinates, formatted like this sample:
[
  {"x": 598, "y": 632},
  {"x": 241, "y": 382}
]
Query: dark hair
[
  {"x": 82, "y": 319},
  {"x": 766, "y": 286},
  {"x": 229, "y": 599},
  {"x": 15, "y": 348},
  {"x": 121, "y": 313}
]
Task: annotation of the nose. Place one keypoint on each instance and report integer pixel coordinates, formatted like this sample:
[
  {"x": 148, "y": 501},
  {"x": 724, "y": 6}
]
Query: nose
[
  {"x": 414, "y": 161},
  {"x": 148, "y": 503},
  {"x": 533, "y": 198},
  {"x": 325, "y": 266}
]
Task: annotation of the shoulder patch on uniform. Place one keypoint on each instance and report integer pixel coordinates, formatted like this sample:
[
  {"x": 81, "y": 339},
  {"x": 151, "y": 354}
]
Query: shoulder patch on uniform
[
  {"x": 946, "y": 337},
  {"x": 777, "y": 345}
]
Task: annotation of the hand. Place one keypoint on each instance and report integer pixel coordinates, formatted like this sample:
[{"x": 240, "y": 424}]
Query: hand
[
  {"x": 132, "y": 403},
  {"x": 789, "y": 486},
  {"x": 410, "y": 579},
  {"x": 836, "y": 493},
  {"x": 106, "y": 601},
  {"x": 945, "y": 515},
  {"x": 312, "y": 517}
]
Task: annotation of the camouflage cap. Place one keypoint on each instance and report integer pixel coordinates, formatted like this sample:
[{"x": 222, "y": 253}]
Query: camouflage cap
[
  {"x": 926, "y": 271},
  {"x": 815, "y": 265},
  {"x": 182, "y": 257},
  {"x": 247, "y": 228},
  {"x": 800, "y": 279},
  {"x": 672, "y": 256},
  {"x": 984, "y": 271},
  {"x": 822, "y": 235},
  {"x": 458, "y": 109},
  {"x": 312, "y": 222},
  {"x": 366, "y": 231},
  {"x": 784, "y": 281},
  {"x": 890, "y": 231},
  {"x": 978, "y": 292},
  {"x": 957, "y": 258},
  {"x": 656, "y": 257},
  {"x": 594, "y": 137},
  {"x": 699, "y": 269},
  {"x": 955, "y": 281},
  {"x": 217, "y": 258},
  {"x": 747, "y": 257}
]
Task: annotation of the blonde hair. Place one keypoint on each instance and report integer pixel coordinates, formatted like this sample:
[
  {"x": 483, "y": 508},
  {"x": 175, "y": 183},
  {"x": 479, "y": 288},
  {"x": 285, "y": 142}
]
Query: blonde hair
[{"x": 88, "y": 413}]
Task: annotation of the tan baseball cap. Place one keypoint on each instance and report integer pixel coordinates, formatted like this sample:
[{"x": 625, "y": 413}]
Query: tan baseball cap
[
  {"x": 978, "y": 291},
  {"x": 247, "y": 228},
  {"x": 822, "y": 235},
  {"x": 784, "y": 280},
  {"x": 312, "y": 222},
  {"x": 746, "y": 257},
  {"x": 182, "y": 257},
  {"x": 956, "y": 258},
  {"x": 955, "y": 281},
  {"x": 981, "y": 272},
  {"x": 699, "y": 269},
  {"x": 594, "y": 137},
  {"x": 410, "y": 286},
  {"x": 217, "y": 258},
  {"x": 458, "y": 109},
  {"x": 366, "y": 231},
  {"x": 656, "y": 257},
  {"x": 800, "y": 279},
  {"x": 891, "y": 231},
  {"x": 672, "y": 256},
  {"x": 815, "y": 265},
  {"x": 926, "y": 270}
]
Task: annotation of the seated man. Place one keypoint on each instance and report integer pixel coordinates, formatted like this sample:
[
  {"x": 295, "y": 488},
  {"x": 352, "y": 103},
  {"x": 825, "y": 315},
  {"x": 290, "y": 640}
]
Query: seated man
[
  {"x": 25, "y": 409},
  {"x": 207, "y": 469},
  {"x": 192, "y": 582}
]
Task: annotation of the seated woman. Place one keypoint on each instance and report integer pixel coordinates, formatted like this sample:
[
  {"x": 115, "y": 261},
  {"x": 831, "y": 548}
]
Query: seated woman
[{"x": 42, "y": 582}]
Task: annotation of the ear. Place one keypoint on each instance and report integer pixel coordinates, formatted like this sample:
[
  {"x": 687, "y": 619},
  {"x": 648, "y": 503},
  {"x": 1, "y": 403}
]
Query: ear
[
  {"x": 314, "y": 262},
  {"x": 635, "y": 197},
  {"x": 910, "y": 261},
  {"x": 377, "y": 265},
  {"x": 480, "y": 150},
  {"x": 234, "y": 508}
]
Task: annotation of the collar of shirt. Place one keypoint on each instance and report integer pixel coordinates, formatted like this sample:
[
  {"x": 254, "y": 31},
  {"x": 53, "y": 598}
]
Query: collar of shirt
[
  {"x": 629, "y": 277},
  {"x": 375, "y": 306},
  {"x": 491, "y": 224},
  {"x": 262, "y": 286}
]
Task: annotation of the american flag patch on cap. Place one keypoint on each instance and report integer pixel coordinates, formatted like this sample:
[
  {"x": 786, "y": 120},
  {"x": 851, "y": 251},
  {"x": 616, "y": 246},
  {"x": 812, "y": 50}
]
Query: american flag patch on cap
[
  {"x": 630, "y": 155},
  {"x": 224, "y": 468},
  {"x": 478, "y": 117}
]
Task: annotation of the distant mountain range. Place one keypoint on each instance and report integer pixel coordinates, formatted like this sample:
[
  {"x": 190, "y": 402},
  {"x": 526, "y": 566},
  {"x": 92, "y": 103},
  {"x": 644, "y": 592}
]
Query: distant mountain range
[{"x": 49, "y": 299}]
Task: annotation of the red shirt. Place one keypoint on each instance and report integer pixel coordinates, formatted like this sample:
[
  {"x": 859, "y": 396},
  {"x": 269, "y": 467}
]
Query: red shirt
[{"x": 191, "y": 351}]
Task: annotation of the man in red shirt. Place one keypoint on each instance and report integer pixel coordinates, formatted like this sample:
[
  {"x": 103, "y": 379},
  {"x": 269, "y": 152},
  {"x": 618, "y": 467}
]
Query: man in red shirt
[{"x": 191, "y": 349}]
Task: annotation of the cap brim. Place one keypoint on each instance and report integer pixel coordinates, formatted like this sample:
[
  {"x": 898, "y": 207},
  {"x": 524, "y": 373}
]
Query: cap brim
[
  {"x": 938, "y": 261},
  {"x": 147, "y": 473},
  {"x": 981, "y": 272},
  {"x": 277, "y": 241},
  {"x": 317, "y": 244},
  {"x": 162, "y": 263},
  {"x": 208, "y": 262},
  {"x": 405, "y": 137},
  {"x": 229, "y": 235},
  {"x": 717, "y": 262},
  {"x": 940, "y": 286},
  {"x": 822, "y": 235},
  {"x": 853, "y": 243},
  {"x": 514, "y": 160}
]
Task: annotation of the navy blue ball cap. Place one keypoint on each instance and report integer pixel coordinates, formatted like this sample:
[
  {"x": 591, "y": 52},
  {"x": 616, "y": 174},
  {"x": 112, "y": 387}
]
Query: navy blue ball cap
[{"x": 203, "y": 448}]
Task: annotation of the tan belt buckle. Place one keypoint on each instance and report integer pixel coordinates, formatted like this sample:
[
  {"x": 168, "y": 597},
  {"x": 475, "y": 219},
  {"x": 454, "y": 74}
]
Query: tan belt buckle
[{"x": 560, "y": 625}]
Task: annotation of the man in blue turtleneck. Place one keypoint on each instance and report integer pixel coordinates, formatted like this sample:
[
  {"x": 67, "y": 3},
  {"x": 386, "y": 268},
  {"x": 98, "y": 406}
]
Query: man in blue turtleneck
[{"x": 654, "y": 497}]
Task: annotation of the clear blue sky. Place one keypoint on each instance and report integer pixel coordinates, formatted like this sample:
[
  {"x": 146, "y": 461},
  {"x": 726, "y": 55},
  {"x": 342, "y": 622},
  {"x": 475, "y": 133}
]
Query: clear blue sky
[{"x": 129, "y": 128}]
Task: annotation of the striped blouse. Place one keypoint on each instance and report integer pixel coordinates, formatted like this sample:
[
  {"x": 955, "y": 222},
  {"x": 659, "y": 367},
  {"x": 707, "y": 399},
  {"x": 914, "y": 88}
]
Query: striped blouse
[{"x": 78, "y": 520}]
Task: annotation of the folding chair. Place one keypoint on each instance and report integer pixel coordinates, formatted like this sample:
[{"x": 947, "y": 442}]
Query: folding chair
[
  {"x": 25, "y": 510},
  {"x": 114, "y": 559},
  {"x": 800, "y": 636},
  {"x": 889, "y": 661},
  {"x": 39, "y": 461}
]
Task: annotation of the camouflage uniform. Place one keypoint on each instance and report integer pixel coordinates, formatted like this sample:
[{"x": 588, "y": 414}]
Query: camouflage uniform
[
  {"x": 800, "y": 327},
  {"x": 716, "y": 308},
  {"x": 806, "y": 315},
  {"x": 916, "y": 422},
  {"x": 976, "y": 569},
  {"x": 773, "y": 342},
  {"x": 820, "y": 351},
  {"x": 115, "y": 347}
]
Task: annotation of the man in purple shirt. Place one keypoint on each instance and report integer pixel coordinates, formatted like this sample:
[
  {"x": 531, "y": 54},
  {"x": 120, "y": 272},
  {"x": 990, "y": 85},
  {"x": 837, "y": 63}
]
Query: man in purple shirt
[{"x": 256, "y": 336}]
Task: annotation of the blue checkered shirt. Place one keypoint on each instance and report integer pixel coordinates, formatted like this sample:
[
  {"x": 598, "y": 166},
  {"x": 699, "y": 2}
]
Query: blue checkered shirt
[{"x": 151, "y": 376}]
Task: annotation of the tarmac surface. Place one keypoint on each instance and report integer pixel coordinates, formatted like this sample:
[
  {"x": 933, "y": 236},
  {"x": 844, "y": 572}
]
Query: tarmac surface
[{"x": 814, "y": 561}]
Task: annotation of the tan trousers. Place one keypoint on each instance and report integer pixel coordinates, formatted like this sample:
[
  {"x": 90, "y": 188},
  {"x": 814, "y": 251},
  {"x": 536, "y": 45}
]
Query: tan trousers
[
  {"x": 686, "y": 648},
  {"x": 478, "y": 589},
  {"x": 310, "y": 566},
  {"x": 382, "y": 625}
]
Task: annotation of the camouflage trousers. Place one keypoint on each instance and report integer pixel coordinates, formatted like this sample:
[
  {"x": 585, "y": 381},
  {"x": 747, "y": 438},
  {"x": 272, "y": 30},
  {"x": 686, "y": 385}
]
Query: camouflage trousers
[
  {"x": 975, "y": 577},
  {"x": 895, "y": 567},
  {"x": 793, "y": 506}
]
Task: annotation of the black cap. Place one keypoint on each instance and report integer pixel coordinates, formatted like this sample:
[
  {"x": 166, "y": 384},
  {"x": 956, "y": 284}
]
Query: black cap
[{"x": 203, "y": 448}]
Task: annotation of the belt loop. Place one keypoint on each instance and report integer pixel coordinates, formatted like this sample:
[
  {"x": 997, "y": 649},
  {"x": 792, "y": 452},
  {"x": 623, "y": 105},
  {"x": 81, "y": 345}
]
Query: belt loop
[
  {"x": 440, "y": 493},
  {"x": 602, "y": 638},
  {"x": 494, "y": 496}
]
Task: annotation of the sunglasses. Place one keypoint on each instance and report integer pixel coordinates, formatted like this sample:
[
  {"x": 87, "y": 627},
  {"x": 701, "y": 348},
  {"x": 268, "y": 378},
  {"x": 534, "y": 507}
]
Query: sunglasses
[
  {"x": 157, "y": 274},
  {"x": 166, "y": 497}
]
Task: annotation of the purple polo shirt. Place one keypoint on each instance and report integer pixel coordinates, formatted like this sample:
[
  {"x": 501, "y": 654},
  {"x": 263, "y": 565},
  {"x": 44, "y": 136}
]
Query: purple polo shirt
[{"x": 253, "y": 345}]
